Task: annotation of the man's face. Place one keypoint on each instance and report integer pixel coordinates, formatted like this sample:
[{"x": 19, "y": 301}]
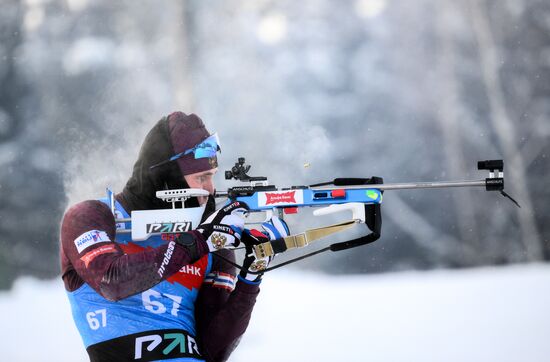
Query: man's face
[{"x": 202, "y": 180}]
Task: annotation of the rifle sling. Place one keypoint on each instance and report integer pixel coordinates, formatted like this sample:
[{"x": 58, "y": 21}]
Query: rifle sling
[{"x": 270, "y": 248}]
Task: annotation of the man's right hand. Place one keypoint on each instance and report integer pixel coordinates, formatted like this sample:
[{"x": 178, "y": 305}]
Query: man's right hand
[{"x": 223, "y": 229}]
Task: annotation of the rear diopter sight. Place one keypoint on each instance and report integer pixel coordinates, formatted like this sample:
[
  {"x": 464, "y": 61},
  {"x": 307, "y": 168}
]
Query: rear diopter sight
[{"x": 239, "y": 172}]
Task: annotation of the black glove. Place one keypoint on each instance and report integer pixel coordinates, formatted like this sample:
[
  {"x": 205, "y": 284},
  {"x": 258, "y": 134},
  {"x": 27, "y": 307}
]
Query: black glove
[
  {"x": 223, "y": 229},
  {"x": 250, "y": 263},
  {"x": 274, "y": 228}
]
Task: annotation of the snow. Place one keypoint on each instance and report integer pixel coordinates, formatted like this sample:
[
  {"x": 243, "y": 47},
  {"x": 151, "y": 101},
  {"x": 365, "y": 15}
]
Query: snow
[{"x": 489, "y": 314}]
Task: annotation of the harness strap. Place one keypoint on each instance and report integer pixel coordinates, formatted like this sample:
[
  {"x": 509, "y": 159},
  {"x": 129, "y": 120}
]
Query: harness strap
[{"x": 270, "y": 248}]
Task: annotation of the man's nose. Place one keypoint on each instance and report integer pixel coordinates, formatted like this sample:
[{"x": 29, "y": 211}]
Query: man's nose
[{"x": 209, "y": 186}]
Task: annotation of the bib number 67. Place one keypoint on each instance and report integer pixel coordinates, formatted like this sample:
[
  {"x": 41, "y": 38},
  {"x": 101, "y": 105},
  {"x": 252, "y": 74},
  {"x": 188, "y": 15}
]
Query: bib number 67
[
  {"x": 97, "y": 319},
  {"x": 151, "y": 301}
]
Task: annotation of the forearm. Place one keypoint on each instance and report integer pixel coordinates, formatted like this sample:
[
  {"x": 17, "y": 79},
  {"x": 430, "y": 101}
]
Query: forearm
[
  {"x": 129, "y": 274},
  {"x": 90, "y": 255},
  {"x": 221, "y": 326}
]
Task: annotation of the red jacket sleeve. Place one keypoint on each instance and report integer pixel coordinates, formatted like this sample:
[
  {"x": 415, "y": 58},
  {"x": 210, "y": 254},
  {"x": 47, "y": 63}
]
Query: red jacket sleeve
[
  {"x": 90, "y": 255},
  {"x": 222, "y": 316}
]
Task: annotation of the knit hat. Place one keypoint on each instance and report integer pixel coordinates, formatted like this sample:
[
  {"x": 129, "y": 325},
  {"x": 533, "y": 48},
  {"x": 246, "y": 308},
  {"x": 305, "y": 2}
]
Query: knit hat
[{"x": 187, "y": 131}]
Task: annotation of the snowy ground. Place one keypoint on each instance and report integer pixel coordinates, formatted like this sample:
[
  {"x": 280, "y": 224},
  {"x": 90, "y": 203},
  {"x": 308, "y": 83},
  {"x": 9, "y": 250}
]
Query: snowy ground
[{"x": 490, "y": 314}]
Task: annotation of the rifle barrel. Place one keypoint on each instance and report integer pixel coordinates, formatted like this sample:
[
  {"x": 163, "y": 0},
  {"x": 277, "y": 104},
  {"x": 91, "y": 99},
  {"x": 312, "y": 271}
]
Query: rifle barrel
[
  {"x": 397, "y": 186},
  {"x": 412, "y": 185}
]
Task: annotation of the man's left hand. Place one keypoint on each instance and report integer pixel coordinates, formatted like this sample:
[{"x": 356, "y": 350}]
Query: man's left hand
[{"x": 274, "y": 228}]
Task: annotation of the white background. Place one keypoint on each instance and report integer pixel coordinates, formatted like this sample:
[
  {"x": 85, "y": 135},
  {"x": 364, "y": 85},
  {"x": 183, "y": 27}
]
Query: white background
[{"x": 487, "y": 314}]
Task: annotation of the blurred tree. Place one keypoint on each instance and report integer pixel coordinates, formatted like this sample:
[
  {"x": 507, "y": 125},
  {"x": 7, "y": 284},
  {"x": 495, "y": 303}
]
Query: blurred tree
[
  {"x": 413, "y": 91},
  {"x": 501, "y": 102},
  {"x": 406, "y": 90},
  {"x": 28, "y": 222},
  {"x": 81, "y": 82}
]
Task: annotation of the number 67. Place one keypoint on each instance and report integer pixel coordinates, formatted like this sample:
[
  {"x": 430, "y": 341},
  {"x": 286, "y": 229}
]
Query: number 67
[{"x": 94, "y": 322}]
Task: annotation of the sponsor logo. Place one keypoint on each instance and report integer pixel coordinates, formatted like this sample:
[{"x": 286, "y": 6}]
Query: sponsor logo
[
  {"x": 169, "y": 237},
  {"x": 218, "y": 240},
  {"x": 166, "y": 259},
  {"x": 280, "y": 198},
  {"x": 169, "y": 344},
  {"x": 87, "y": 258},
  {"x": 223, "y": 228},
  {"x": 190, "y": 279},
  {"x": 191, "y": 269},
  {"x": 232, "y": 206},
  {"x": 168, "y": 227},
  {"x": 245, "y": 189},
  {"x": 190, "y": 276},
  {"x": 90, "y": 238}
]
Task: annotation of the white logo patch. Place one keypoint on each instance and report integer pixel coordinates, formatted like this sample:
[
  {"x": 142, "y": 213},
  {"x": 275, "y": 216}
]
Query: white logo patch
[{"x": 90, "y": 238}]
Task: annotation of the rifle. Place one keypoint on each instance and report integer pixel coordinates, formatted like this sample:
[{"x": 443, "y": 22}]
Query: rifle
[{"x": 361, "y": 196}]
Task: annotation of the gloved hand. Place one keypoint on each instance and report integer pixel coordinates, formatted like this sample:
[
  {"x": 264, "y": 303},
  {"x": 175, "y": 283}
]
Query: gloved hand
[
  {"x": 223, "y": 229},
  {"x": 274, "y": 228}
]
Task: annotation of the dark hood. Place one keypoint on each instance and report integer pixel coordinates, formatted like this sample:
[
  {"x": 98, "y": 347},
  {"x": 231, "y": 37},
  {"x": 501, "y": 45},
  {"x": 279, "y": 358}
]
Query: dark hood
[{"x": 139, "y": 192}]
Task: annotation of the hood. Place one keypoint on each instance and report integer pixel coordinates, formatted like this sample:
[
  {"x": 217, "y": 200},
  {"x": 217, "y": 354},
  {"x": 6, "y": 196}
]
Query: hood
[{"x": 183, "y": 131}]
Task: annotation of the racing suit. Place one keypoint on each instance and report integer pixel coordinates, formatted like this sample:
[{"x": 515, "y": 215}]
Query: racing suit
[{"x": 149, "y": 300}]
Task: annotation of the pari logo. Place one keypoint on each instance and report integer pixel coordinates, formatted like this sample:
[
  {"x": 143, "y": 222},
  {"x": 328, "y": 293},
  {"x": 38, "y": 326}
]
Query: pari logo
[
  {"x": 168, "y": 227},
  {"x": 160, "y": 346},
  {"x": 281, "y": 198}
]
